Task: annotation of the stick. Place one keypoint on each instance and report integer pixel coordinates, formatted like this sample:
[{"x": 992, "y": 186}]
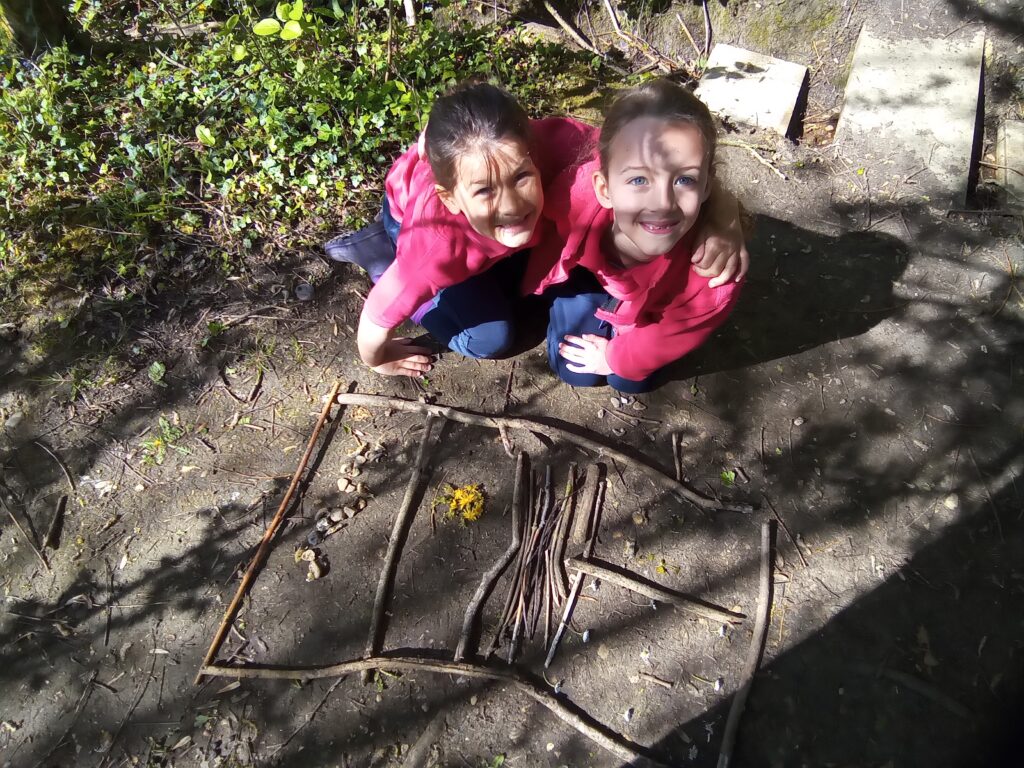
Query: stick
[
  {"x": 63, "y": 467},
  {"x": 410, "y": 13},
  {"x": 753, "y": 151},
  {"x": 577, "y": 584},
  {"x": 309, "y": 717},
  {"x": 264, "y": 548},
  {"x": 764, "y": 609},
  {"x": 568, "y": 29},
  {"x": 591, "y": 478},
  {"x": 399, "y": 531},
  {"x": 461, "y": 416},
  {"x": 24, "y": 533},
  {"x": 494, "y": 573},
  {"x": 614, "y": 743},
  {"x": 785, "y": 528},
  {"x": 685, "y": 602},
  {"x": 688, "y": 35},
  {"x": 511, "y": 599},
  {"x": 707, "y": 29}
]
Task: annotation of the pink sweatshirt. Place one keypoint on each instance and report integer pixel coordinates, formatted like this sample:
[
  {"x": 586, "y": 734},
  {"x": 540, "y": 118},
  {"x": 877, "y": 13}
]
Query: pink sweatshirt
[
  {"x": 437, "y": 248},
  {"x": 667, "y": 310}
]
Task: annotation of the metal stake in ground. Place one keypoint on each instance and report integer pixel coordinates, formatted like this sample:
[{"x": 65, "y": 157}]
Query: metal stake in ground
[
  {"x": 264, "y": 547},
  {"x": 399, "y": 531}
]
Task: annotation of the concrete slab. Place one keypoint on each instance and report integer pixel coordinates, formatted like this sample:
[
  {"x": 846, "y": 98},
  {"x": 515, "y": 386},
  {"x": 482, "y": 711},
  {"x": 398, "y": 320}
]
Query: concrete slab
[
  {"x": 751, "y": 88},
  {"x": 1010, "y": 163},
  {"x": 911, "y": 107}
]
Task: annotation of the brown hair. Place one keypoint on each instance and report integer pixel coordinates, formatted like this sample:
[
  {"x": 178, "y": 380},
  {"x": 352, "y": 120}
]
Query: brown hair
[
  {"x": 470, "y": 114},
  {"x": 660, "y": 99}
]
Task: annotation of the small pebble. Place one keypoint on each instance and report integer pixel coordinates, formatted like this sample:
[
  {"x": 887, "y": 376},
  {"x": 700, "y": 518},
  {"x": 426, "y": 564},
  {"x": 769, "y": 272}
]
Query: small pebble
[
  {"x": 628, "y": 715},
  {"x": 336, "y": 516},
  {"x": 356, "y": 472},
  {"x": 472, "y": 700},
  {"x": 619, "y": 431},
  {"x": 798, "y": 421},
  {"x": 719, "y": 684},
  {"x": 360, "y": 505},
  {"x": 639, "y": 518},
  {"x": 586, "y": 636},
  {"x": 314, "y": 538},
  {"x": 600, "y": 413},
  {"x": 345, "y": 468},
  {"x": 348, "y": 512},
  {"x": 344, "y": 484},
  {"x": 304, "y": 292},
  {"x": 323, "y": 524},
  {"x": 638, "y": 406},
  {"x": 550, "y": 746}
]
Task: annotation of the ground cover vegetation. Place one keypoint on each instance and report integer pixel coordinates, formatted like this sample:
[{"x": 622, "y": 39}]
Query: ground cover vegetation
[{"x": 129, "y": 171}]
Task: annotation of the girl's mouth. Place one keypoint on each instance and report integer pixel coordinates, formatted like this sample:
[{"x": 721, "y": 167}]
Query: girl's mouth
[
  {"x": 658, "y": 227},
  {"x": 519, "y": 226}
]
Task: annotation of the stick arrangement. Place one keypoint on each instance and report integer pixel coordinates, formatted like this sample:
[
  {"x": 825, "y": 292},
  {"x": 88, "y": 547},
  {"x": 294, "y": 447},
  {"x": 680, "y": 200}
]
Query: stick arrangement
[{"x": 540, "y": 596}]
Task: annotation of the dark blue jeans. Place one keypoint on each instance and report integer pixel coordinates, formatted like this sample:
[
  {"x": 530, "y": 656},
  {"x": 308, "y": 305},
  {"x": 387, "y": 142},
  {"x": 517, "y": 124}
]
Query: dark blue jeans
[
  {"x": 573, "y": 304},
  {"x": 474, "y": 317}
]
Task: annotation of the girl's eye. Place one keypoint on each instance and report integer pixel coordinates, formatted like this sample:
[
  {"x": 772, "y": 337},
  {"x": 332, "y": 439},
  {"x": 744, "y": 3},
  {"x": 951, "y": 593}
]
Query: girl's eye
[
  {"x": 483, "y": 192},
  {"x": 685, "y": 181},
  {"x": 524, "y": 176},
  {"x": 637, "y": 181}
]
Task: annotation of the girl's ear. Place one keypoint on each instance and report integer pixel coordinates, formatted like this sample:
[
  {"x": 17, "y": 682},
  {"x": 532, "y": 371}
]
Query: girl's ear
[
  {"x": 601, "y": 189},
  {"x": 448, "y": 199}
]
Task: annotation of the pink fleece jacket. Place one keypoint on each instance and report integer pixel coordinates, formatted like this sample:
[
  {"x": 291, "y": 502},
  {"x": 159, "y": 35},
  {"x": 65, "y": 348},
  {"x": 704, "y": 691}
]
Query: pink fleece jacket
[
  {"x": 437, "y": 248},
  {"x": 667, "y": 310}
]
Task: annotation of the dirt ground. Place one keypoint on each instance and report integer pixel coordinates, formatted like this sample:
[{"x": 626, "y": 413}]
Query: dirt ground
[{"x": 866, "y": 393}]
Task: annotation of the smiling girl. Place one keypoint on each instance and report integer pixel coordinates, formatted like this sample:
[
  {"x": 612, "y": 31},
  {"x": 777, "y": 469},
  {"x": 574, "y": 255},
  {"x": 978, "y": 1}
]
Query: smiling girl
[{"x": 625, "y": 300}]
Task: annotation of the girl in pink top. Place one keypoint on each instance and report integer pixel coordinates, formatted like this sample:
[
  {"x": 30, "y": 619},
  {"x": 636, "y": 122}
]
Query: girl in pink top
[
  {"x": 625, "y": 298},
  {"x": 459, "y": 204}
]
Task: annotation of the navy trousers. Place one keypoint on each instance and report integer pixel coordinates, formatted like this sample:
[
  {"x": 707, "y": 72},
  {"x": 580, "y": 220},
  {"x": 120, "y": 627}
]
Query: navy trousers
[
  {"x": 474, "y": 317},
  {"x": 573, "y": 304}
]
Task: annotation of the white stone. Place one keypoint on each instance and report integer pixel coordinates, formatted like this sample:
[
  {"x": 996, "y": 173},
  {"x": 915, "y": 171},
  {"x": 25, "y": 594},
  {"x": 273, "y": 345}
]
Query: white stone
[
  {"x": 751, "y": 88},
  {"x": 911, "y": 108}
]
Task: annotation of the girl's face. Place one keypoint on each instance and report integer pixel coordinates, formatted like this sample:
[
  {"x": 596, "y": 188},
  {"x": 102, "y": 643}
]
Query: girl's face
[
  {"x": 498, "y": 189},
  {"x": 658, "y": 177}
]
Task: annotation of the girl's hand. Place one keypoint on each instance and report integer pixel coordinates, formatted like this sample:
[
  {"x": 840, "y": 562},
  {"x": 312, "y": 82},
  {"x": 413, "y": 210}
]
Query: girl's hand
[
  {"x": 719, "y": 249},
  {"x": 403, "y": 358},
  {"x": 391, "y": 357},
  {"x": 586, "y": 354}
]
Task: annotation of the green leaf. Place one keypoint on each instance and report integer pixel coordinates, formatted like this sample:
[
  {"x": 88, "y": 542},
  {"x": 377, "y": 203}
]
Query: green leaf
[
  {"x": 231, "y": 23},
  {"x": 728, "y": 477},
  {"x": 291, "y": 30},
  {"x": 282, "y": 11},
  {"x": 205, "y": 135},
  {"x": 156, "y": 372},
  {"x": 238, "y": 53},
  {"x": 296, "y": 12},
  {"x": 300, "y": 67},
  {"x": 266, "y": 27}
]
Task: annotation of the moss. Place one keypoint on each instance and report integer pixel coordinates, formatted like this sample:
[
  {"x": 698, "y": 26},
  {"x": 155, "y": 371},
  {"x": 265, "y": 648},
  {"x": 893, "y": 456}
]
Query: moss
[{"x": 774, "y": 29}]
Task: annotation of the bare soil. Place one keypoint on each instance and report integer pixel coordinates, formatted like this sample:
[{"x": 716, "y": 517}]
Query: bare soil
[{"x": 866, "y": 392}]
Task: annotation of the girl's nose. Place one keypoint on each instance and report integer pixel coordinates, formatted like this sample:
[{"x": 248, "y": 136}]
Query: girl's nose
[{"x": 664, "y": 196}]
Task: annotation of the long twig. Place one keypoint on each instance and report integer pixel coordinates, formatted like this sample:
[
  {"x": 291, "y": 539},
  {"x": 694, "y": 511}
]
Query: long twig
[
  {"x": 399, "y": 531},
  {"x": 264, "y": 547},
  {"x": 494, "y": 572},
  {"x": 577, "y": 37},
  {"x": 28, "y": 539},
  {"x": 309, "y": 717},
  {"x": 552, "y": 432},
  {"x": 616, "y": 744},
  {"x": 764, "y": 610},
  {"x": 61, "y": 464},
  {"x": 753, "y": 150},
  {"x": 656, "y": 592}
]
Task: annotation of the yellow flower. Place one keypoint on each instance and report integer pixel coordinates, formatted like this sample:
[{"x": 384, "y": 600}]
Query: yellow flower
[{"x": 465, "y": 503}]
